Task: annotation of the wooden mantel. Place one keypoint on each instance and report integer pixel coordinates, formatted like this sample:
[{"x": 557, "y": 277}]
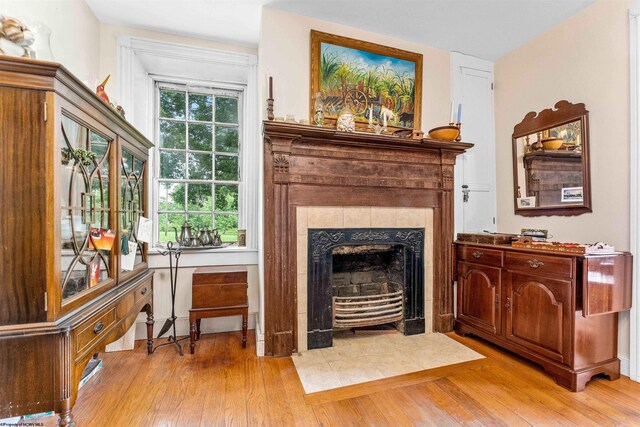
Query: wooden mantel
[{"x": 311, "y": 166}]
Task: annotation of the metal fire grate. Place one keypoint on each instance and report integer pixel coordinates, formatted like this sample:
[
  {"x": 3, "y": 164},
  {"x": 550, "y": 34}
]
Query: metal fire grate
[{"x": 369, "y": 310}]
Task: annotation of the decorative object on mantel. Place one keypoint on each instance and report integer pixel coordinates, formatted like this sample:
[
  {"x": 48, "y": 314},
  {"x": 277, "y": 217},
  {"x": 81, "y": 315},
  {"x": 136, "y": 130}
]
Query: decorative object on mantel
[
  {"x": 445, "y": 133},
  {"x": 375, "y": 81},
  {"x": 346, "y": 121},
  {"x": 318, "y": 105},
  {"x": 290, "y": 118},
  {"x": 15, "y": 37},
  {"x": 270, "y": 100}
]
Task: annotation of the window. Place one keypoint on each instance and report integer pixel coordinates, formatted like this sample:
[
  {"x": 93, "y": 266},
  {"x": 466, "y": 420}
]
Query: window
[{"x": 199, "y": 146}]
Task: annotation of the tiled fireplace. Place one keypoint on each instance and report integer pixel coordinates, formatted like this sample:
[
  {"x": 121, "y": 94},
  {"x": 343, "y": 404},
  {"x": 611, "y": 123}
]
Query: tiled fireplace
[
  {"x": 317, "y": 178},
  {"x": 401, "y": 237}
]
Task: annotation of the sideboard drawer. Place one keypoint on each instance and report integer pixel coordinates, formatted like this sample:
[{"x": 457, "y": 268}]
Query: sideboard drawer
[
  {"x": 94, "y": 329},
  {"x": 539, "y": 264},
  {"x": 480, "y": 255}
]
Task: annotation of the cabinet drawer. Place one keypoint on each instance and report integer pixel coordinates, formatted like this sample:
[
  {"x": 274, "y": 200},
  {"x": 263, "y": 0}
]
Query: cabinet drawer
[
  {"x": 94, "y": 329},
  {"x": 217, "y": 295},
  {"x": 143, "y": 291},
  {"x": 480, "y": 255},
  {"x": 539, "y": 264}
]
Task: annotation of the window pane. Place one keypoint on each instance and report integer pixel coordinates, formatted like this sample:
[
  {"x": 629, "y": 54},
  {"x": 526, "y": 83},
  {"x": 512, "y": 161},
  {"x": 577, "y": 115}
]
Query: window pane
[
  {"x": 171, "y": 196},
  {"x": 227, "y": 198},
  {"x": 172, "y": 165},
  {"x": 199, "y": 221},
  {"x": 227, "y": 168},
  {"x": 200, "y": 107},
  {"x": 227, "y": 226},
  {"x": 199, "y": 198},
  {"x": 166, "y": 225},
  {"x": 172, "y": 134},
  {"x": 172, "y": 104},
  {"x": 227, "y": 139},
  {"x": 226, "y": 110},
  {"x": 200, "y": 137},
  {"x": 200, "y": 166}
]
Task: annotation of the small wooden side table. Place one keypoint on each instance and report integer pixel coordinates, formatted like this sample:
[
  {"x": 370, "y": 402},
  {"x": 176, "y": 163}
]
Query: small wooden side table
[{"x": 218, "y": 292}]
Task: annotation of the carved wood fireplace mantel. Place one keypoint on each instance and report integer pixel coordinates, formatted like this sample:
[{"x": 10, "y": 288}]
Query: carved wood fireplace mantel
[{"x": 311, "y": 166}]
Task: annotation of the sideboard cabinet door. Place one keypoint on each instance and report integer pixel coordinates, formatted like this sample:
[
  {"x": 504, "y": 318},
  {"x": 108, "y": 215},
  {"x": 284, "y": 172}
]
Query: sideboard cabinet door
[
  {"x": 479, "y": 296},
  {"x": 538, "y": 314}
]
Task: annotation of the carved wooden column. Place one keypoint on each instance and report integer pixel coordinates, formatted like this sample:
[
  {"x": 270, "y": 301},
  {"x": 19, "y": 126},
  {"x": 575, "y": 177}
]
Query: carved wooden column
[
  {"x": 279, "y": 325},
  {"x": 444, "y": 287}
]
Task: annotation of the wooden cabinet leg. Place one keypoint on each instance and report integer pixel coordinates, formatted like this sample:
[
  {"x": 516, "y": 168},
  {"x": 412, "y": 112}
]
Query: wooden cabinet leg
[
  {"x": 198, "y": 323},
  {"x": 66, "y": 419},
  {"x": 192, "y": 337},
  {"x": 149, "y": 323},
  {"x": 244, "y": 330}
]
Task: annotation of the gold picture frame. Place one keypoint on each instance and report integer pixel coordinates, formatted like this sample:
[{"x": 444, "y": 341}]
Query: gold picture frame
[{"x": 365, "y": 92}]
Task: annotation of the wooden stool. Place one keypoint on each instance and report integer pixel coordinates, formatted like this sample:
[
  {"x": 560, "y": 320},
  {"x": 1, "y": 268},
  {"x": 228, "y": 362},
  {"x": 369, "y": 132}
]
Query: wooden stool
[{"x": 218, "y": 292}]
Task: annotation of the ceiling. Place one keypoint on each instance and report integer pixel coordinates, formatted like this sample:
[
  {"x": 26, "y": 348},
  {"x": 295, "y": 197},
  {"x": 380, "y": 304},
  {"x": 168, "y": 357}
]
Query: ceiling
[{"x": 487, "y": 29}]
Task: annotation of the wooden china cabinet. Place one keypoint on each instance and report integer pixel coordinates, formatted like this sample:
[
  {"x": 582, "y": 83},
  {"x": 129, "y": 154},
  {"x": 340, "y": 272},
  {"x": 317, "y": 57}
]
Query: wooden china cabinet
[{"x": 71, "y": 166}]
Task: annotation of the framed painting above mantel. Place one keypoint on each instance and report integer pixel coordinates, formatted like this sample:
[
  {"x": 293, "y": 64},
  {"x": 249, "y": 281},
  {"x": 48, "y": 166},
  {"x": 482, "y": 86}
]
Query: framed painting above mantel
[{"x": 374, "y": 81}]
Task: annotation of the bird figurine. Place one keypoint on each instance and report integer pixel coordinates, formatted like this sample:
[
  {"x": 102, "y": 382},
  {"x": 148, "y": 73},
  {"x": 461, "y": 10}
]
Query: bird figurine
[
  {"x": 101, "y": 93},
  {"x": 120, "y": 110}
]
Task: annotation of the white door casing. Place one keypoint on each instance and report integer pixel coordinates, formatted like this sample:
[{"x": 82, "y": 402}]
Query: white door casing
[{"x": 472, "y": 86}]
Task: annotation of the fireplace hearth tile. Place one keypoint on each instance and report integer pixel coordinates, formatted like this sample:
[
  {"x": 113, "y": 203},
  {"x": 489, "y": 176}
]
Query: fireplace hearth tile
[
  {"x": 318, "y": 377},
  {"x": 360, "y": 358}
]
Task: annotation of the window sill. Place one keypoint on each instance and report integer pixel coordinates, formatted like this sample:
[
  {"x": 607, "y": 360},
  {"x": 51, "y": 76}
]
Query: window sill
[{"x": 231, "y": 255}]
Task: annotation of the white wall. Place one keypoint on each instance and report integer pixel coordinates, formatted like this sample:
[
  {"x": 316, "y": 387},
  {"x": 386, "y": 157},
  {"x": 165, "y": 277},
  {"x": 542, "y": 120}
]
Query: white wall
[
  {"x": 284, "y": 52},
  {"x": 108, "y": 47},
  {"x": 584, "y": 59},
  {"x": 75, "y": 32}
]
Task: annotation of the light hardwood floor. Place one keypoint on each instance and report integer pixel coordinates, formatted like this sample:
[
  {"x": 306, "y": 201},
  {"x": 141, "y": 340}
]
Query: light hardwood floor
[{"x": 224, "y": 385}]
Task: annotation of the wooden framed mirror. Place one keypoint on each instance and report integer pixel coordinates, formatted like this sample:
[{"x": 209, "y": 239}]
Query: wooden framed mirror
[{"x": 551, "y": 162}]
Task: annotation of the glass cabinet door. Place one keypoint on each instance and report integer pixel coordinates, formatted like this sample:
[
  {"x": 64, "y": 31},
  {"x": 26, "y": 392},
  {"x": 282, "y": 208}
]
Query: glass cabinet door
[
  {"x": 132, "y": 197},
  {"x": 86, "y": 234}
]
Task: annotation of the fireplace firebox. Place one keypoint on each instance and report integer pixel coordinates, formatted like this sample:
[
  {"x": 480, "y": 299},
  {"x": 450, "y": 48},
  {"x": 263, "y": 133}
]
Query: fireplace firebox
[{"x": 364, "y": 277}]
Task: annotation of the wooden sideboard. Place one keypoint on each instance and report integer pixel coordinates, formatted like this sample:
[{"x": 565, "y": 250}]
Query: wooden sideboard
[
  {"x": 559, "y": 310},
  {"x": 71, "y": 166}
]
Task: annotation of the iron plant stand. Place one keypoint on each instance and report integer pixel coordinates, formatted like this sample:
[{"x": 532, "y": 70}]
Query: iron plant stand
[{"x": 170, "y": 323}]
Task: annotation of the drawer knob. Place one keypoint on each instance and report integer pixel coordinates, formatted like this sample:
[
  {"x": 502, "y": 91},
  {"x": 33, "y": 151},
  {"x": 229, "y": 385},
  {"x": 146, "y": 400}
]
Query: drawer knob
[
  {"x": 477, "y": 254},
  {"x": 98, "y": 328},
  {"x": 534, "y": 263},
  {"x": 143, "y": 291}
]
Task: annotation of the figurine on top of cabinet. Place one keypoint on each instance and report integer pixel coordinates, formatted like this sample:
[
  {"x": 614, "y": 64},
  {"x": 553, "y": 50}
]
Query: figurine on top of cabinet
[{"x": 15, "y": 37}]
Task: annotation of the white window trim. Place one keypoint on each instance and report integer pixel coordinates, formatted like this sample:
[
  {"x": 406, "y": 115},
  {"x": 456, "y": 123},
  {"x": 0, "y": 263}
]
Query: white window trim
[
  {"x": 128, "y": 49},
  {"x": 634, "y": 188}
]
